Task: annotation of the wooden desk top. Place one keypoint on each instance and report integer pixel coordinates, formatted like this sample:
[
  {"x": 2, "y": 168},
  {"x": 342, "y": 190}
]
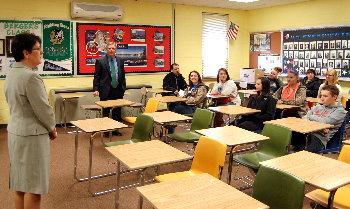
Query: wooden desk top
[
  {"x": 285, "y": 106},
  {"x": 169, "y": 99},
  {"x": 71, "y": 95},
  {"x": 247, "y": 91},
  {"x": 312, "y": 99},
  {"x": 158, "y": 91},
  {"x": 234, "y": 110},
  {"x": 300, "y": 125},
  {"x": 114, "y": 103},
  {"x": 346, "y": 142},
  {"x": 98, "y": 124},
  {"x": 197, "y": 192},
  {"x": 167, "y": 117},
  {"x": 320, "y": 171},
  {"x": 147, "y": 154},
  {"x": 232, "y": 135}
]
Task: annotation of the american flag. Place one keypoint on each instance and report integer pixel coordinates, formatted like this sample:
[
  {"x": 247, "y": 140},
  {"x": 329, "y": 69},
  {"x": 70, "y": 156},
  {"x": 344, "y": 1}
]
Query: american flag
[{"x": 232, "y": 31}]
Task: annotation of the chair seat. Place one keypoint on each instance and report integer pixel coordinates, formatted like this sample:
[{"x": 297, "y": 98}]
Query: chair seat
[
  {"x": 188, "y": 136},
  {"x": 252, "y": 159},
  {"x": 341, "y": 198},
  {"x": 116, "y": 143},
  {"x": 171, "y": 176},
  {"x": 130, "y": 119}
]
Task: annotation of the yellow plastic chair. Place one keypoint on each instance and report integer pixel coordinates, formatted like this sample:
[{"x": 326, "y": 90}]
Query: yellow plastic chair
[
  {"x": 342, "y": 196},
  {"x": 209, "y": 157},
  {"x": 151, "y": 106}
]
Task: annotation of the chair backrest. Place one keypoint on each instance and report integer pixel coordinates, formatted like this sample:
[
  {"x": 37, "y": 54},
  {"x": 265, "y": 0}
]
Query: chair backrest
[
  {"x": 334, "y": 144},
  {"x": 211, "y": 85},
  {"x": 142, "y": 129},
  {"x": 345, "y": 154},
  {"x": 279, "y": 141},
  {"x": 201, "y": 119},
  {"x": 152, "y": 105},
  {"x": 278, "y": 189},
  {"x": 209, "y": 156}
]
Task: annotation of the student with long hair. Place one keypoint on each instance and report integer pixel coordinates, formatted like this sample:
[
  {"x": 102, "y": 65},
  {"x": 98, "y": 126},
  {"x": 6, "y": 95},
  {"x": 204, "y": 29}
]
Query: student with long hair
[{"x": 261, "y": 101}]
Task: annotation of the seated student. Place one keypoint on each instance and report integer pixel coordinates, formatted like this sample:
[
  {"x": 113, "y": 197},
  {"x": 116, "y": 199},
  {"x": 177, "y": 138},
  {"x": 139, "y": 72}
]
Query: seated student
[
  {"x": 311, "y": 82},
  {"x": 330, "y": 112},
  {"x": 331, "y": 79},
  {"x": 262, "y": 101},
  {"x": 293, "y": 94},
  {"x": 275, "y": 82},
  {"x": 195, "y": 94},
  {"x": 174, "y": 81},
  {"x": 224, "y": 86}
]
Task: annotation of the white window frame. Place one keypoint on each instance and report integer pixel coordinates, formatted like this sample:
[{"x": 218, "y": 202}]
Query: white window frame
[{"x": 215, "y": 44}]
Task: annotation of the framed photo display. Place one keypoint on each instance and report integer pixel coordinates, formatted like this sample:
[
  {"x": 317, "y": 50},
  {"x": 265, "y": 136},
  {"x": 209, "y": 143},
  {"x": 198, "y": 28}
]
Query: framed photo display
[
  {"x": 319, "y": 48},
  {"x": 143, "y": 48}
]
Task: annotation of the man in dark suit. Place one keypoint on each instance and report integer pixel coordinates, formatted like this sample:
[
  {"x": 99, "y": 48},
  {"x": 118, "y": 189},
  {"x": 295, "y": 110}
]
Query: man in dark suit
[{"x": 109, "y": 80}]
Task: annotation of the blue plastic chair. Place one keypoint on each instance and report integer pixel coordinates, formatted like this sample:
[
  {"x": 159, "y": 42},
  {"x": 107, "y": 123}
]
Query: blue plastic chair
[{"x": 335, "y": 143}]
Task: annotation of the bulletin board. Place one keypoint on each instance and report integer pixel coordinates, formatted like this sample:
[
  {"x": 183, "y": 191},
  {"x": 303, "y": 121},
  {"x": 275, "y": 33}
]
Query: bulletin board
[
  {"x": 143, "y": 48},
  {"x": 320, "y": 48},
  {"x": 56, "y": 44}
]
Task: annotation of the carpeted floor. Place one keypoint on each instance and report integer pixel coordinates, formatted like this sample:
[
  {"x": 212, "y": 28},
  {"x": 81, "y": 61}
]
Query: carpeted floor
[{"x": 66, "y": 193}]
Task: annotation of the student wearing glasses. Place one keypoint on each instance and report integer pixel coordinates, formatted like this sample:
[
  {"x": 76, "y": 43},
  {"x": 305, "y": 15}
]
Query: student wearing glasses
[{"x": 331, "y": 79}]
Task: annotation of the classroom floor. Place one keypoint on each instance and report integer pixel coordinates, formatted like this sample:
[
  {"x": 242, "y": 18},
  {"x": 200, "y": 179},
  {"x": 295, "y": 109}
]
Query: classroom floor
[{"x": 66, "y": 193}]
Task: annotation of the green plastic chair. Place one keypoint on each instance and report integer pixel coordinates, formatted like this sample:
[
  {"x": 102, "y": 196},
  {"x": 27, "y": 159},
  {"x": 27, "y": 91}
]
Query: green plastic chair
[
  {"x": 276, "y": 146},
  {"x": 142, "y": 131},
  {"x": 202, "y": 119},
  {"x": 278, "y": 189}
]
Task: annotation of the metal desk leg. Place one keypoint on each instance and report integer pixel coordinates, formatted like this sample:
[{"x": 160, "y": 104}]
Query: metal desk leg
[
  {"x": 142, "y": 182},
  {"x": 63, "y": 114},
  {"x": 331, "y": 198},
  {"x": 76, "y": 155},
  {"x": 90, "y": 163},
  {"x": 110, "y": 116},
  {"x": 117, "y": 201},
  {"x": 229, "y": 169}
]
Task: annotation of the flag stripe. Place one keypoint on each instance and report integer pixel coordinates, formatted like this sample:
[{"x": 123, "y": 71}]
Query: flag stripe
[{"x": 232, "y": 31}]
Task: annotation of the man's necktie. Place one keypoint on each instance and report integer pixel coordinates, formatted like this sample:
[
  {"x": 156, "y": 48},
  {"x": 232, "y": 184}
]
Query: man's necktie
[{"x": 113, "y": 74}]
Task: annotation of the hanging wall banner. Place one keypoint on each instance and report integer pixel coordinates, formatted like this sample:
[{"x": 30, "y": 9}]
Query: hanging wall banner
[
  {"x": 8, "y": 29},
  {"x": 56, "y": 44},
  {"x": 57, "y": 47},
  {"x": 144, "y": 48},
  {"x": 319, "y": 48}
]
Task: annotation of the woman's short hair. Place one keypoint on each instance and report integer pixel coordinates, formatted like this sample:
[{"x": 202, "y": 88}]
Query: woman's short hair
[
  {"x": 225, "y": 70},
  {"x": 335, "y": 73},
  {"x": 265, "y": 82},
  {"x": 23, "y": 41},
  {"x": 189, "y": 78},
  {"x": 277, "y": 69},
  {"x": 332, "y": 89}
]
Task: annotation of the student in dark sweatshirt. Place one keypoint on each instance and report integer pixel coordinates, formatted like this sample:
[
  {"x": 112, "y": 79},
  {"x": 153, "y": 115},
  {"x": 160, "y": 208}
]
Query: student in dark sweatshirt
[{"x": 261, "y": 101}]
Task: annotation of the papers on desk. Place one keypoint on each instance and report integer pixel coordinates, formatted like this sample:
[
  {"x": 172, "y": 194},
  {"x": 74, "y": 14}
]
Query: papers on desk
[{"x": 181, "y": 93}]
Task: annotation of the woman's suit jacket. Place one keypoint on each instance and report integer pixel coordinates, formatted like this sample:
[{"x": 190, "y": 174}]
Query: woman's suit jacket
[{"x": 30, "y": 112}]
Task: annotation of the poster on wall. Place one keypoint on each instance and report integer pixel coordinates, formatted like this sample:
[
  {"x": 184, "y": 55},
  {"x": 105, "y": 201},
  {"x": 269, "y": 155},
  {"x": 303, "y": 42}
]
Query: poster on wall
[
  {"x": 61, "y": 66},
  {"x": 57, "y": 47},
  {"x": 143, "y": 48},
  {"x": 268, "y": 61},
  {"x": 260, "y": 42},
  {"x": 320, "y": 48}
]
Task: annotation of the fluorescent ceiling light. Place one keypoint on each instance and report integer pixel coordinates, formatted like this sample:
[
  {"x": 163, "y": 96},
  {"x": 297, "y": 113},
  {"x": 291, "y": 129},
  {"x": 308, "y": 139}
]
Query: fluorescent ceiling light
[{"x": 246, "y": 1}]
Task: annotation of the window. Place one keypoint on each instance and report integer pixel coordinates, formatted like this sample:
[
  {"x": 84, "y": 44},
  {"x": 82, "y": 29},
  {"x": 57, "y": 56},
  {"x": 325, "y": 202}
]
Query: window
[{"x": 214, "y": 43}]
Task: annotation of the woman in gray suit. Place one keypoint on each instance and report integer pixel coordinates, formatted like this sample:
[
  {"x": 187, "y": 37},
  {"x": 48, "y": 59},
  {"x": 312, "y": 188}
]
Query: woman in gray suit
[{"x": 31, "y": 124}]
